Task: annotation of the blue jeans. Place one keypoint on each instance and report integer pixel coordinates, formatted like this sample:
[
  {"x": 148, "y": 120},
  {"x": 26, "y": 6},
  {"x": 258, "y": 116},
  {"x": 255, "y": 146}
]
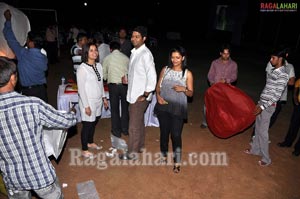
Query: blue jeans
[{"x": 52, "y": 191}]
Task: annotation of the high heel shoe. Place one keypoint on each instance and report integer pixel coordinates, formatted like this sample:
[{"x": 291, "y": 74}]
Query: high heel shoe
[{"x": 176, "y": 168}]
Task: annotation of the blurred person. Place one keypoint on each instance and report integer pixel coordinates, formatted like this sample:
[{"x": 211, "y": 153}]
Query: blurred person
[
  {"x": 32, "y": 61},
  {"x": 224, "y": 70},
  {"x": 294, "y": 123},
  {"x": 275, "y": 84},
  {"x": 73, "y": 33},
  {"x": 115, "y": 66},
  {"x": 51, "y": 43},
  {"x": 76, "y": 50},
  {"x": 91, "y": 96},
  {"x": 23, "y": 161},
  {"x": 174, "y": 85},
  {"x": 141, "y": 83},
  {"x": 103, "y": 48},
  {"x": 126, "y": 45}
]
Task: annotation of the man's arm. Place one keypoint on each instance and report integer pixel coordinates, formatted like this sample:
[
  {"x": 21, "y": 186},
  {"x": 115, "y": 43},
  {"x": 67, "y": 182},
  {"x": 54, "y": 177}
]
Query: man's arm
[
  {"x": 292, "y": 77},
  {"x": 233, "y": 73},
  {"x": 150, "y": 75},
  {"x": 52, "y": 118},
  {"x": 211, "y": 74},
  {"x": 10, "y": 36}
]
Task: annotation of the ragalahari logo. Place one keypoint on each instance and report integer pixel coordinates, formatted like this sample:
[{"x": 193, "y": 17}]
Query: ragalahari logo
[{"x": 278, "y": 7}]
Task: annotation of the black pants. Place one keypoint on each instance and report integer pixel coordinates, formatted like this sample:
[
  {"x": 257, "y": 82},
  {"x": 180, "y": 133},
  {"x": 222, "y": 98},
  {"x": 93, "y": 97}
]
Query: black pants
[
  {"x": 87, "y": 133},
  {"x": 39, "y": 91},
  {"x": 51, "y": 49},
  {"x": 169, "y": 124},
  {"x": 117, "y": 95},
  {"x": 294, "y": 128}
]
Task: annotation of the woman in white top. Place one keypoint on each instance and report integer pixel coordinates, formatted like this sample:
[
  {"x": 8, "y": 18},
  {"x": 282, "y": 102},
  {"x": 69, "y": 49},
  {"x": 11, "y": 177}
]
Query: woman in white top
[{"x": 91, "y": 96}]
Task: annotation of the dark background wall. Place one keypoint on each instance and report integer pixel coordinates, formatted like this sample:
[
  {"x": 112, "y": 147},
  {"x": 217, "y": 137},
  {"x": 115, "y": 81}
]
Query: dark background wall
[{"x": 193, "y": 20}]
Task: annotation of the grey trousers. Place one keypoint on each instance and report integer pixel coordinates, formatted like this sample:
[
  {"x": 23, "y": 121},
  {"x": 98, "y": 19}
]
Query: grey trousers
[
  {"x": 204, "y": 122},
  {"x": 260, "y": 144},
  {"x": 52, "y": 191}
]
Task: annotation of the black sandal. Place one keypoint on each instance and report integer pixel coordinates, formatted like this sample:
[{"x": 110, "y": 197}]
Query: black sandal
[
  {"x": 163, "y": 160},
  {"x": 176, "y": 168}
]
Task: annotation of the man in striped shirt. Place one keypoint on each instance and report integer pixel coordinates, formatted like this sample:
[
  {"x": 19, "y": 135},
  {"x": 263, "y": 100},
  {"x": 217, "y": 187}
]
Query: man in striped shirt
[
  {"x": 275, "y": 84},
  {"x": 23, "y": 161}
]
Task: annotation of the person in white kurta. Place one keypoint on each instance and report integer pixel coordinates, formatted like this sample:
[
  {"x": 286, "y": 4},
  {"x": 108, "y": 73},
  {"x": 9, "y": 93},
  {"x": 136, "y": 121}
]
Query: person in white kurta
[{"x": 91, "y": 96}]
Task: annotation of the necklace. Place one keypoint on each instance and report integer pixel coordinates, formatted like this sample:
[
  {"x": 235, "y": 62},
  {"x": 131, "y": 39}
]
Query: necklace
[{"x": 96, "y": 71}]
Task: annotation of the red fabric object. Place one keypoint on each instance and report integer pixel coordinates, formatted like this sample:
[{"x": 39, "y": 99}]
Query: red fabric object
[
  {"x": 229, "y": 110},
  {"x": 105, "y": 85},
  {"x": 71, "y": 81},
  {"x": 71, "y": 88}
]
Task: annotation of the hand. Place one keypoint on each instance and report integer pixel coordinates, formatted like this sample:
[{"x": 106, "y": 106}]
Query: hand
[
  {"x": 257, "y": 110},
  {"x": 178, "y": 88},
  {"x": 88, "y": 111},
  {"x": 7, "y": 15},
  {"x": 141, "y": 98},
  {"x": 73, "y": 110},
  {"x": 222, "y": 80},
  {"x": 124, "y": 79},
  {"x": 161, "y": 100},
  {"x": 105, "y": 103}
]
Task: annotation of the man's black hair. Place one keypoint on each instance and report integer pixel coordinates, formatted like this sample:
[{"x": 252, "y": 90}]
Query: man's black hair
[{"x": 142, "y": 30}]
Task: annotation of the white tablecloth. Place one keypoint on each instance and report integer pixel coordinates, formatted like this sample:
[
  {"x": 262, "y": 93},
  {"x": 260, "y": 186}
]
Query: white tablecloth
[
  {"x": 54, "y": 140},
  {"x": 64, "y": 100},
  {"x": 150, "y": 118}
]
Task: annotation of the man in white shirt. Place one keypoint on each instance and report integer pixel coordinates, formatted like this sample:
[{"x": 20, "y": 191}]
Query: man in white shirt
[{"x": 141, "y": 83}]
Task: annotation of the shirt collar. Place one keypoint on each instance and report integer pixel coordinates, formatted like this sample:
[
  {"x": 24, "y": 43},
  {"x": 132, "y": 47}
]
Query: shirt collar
[{"x": 134, "y": 50}]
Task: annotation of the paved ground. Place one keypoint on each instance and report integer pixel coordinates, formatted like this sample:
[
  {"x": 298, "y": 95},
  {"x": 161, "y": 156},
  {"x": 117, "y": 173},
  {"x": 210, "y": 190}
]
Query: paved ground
[{"x": 237, "y": 176}]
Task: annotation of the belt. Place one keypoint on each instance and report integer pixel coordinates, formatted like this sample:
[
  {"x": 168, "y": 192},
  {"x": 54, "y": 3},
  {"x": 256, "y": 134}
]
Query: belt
[{"x": 34, "y": 86}]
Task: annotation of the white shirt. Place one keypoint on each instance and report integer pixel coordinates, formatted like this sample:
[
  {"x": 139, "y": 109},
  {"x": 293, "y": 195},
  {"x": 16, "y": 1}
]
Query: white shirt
[
  {"x": 141, "y": 73},
  {"x": 103, "y": 50},
  {"x": 290, "y": 71},
  {"x": 90, "y": 91}
]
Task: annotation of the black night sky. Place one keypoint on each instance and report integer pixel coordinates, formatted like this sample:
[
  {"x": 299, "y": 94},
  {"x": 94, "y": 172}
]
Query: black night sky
[{"x": 191, "y": 19}]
